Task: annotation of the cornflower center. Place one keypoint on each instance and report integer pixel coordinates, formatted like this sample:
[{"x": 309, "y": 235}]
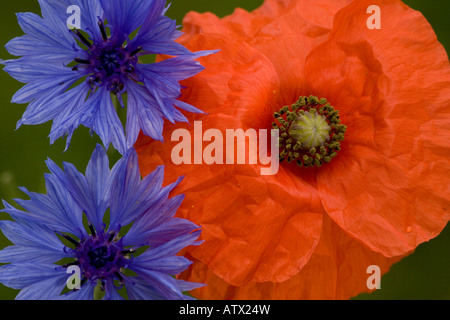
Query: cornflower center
[
  {"x": 100, "y": 257},
  {"x": 310, "y": 132},
  {"x": 108, "y": 62}
]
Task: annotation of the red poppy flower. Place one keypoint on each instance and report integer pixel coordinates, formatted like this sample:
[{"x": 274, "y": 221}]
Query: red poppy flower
[{"x": 311, "y": 231}]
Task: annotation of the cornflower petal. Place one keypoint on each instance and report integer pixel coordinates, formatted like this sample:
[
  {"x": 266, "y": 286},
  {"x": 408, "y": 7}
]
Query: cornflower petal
[
  {"x": 98, "y": 64},
  {"x": 47, "y": 289},
  {"x": 145, "y": 114},
  {"x": 30, "y": 236},
  {"x": 22, "y": 275},
  {"x": 85, "y": 293},
  {"x": 69, "y": 228}
]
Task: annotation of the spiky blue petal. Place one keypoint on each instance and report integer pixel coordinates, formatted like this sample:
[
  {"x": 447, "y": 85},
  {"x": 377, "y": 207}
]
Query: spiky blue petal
[
  {"x": 69, "y": 226},
  {"x": 73, "y": 77}
]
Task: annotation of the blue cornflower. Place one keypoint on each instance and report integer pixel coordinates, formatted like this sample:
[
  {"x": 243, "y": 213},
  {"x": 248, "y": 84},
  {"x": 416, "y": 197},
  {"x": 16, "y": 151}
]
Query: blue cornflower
[
  {"x": 114, "y": 228},
  {"x": 73, "y": 76}
]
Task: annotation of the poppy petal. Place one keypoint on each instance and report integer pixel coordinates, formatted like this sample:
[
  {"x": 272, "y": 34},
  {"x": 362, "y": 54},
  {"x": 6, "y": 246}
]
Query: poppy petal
[
  {"x": 288, "y": 210},
  {"x": 389, "y": 185},
  {"x": 329, "y": 274}
]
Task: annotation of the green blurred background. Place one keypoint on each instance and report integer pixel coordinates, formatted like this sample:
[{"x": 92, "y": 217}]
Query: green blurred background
[{"x": 422, "y": 275}]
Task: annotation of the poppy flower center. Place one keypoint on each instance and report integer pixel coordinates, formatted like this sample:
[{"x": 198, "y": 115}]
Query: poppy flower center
[
  {"x": 109, "y": 62},
  {"x": 310, "y": 132}
]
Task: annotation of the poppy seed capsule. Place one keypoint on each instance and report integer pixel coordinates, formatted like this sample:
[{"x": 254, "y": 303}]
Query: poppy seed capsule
[{"x": 312, "y": 132}]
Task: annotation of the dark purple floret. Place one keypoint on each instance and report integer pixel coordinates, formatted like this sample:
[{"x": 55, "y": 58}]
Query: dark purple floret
[
  {"x": 107, "y": 62},
  {"x": 101, "y": 257}
]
